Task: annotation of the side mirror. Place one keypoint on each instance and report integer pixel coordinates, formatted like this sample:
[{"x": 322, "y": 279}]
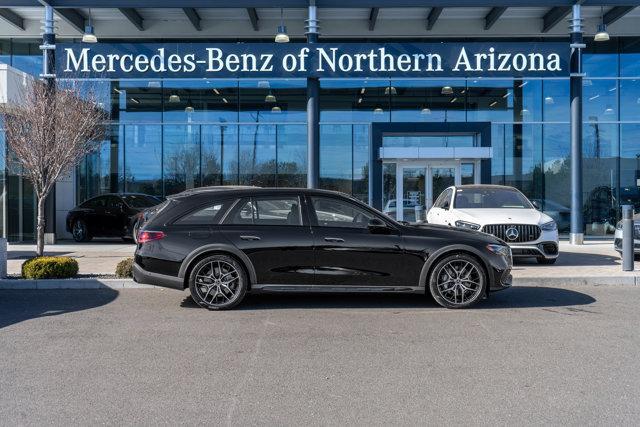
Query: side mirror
[
  {"x": 445, "y": 205},
  {"x": 376, "y": 225},
  {"x": 536, "y": 204}
]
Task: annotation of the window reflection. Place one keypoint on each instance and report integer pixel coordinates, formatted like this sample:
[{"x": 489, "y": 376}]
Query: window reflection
[
  {"x": 292, "y": 155},
  {"x": 336, "y": 157},
  {"x": 181, "y": 152},
  {"x": 600, "y": 100},
  {"x": 630, "y": 165},
  {"x": 630, "y": 99},
  {"x": 428, "y": 100},
  {"x": 351, "y": 100},
  {"x": 143, "y": 159},
  {"x": 555, "y": 93},
  {"x": 136, "y": 101},
  {"x": 504, "y": 100},
  {"x": 557, "y": 174},
  {"x": 200, "y": 100},
  {"x": 257, "y": 155},
  {"x": 273, "y": 100}
]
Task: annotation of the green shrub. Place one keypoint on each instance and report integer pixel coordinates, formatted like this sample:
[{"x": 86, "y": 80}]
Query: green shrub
[
  {"x": 49, "y": 267},
  {"x": 125, "y": 268}
]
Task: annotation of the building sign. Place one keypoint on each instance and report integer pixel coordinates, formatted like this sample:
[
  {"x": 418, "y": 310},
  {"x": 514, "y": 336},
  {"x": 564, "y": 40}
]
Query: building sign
[{"x": 260, "y": 60}]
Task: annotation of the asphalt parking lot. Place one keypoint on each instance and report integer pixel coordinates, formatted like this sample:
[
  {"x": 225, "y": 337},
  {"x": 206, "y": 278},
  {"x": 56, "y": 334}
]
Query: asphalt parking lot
[{"x": 529, "y": 355}]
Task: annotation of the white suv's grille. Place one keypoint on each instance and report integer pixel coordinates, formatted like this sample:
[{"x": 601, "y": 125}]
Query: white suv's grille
[{"x": 514, "y": 233}]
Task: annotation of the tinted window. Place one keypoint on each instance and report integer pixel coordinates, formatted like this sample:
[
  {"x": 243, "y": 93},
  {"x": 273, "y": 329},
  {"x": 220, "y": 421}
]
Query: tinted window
[
  {"x": 268, "y": 211},
  {"x": 490, "y": 198},
  {"x": 444, "y": 197},
  {"x": 114, "y": 202},
  {"x": 339, "y": 213},
  {"x": 98, "y": 202},
  {"x": 207, "y": 215},
  {"x": 138, "y": 201}
]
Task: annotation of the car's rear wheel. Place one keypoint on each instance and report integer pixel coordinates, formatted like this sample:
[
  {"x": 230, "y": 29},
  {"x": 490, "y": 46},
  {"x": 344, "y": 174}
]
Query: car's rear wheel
[
  {"x": 457, "y": 281},
  {"x": 546, "y": 261},
  {"x": 80, "y": 231},
  {"x": 218, "y": 282}
]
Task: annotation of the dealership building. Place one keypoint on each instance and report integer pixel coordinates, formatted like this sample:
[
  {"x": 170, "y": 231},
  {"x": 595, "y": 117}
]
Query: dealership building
[{"x": 389, "y": 101}]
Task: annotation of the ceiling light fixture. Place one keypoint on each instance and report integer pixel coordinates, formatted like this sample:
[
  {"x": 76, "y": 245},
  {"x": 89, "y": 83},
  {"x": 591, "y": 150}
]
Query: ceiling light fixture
[
  {"x": 173, "y": 98},
  {"x": 601, "y": 35},
  {"x": 549, "y": 100},
  {"x": 378, "y": 110},
  {"x": 276, "y": 109},
  {"x": 89, "y": 35},
  {"x": 281, "y": 34},
  {"x": 270, "y": 98},
  {"x": 390, "y": 90},
  {"x": 447, "y": 90}
]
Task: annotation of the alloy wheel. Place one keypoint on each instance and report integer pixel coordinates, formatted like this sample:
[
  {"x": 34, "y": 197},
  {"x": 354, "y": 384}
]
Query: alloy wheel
[
  {"x": 459, "y": 282},
  {"x": 217, "y": 283},
  {"x": 78, "y": 231}
]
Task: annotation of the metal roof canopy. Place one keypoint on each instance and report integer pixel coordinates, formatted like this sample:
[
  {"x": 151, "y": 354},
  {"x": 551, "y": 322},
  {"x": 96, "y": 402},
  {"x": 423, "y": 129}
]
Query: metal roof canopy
[{"x": 208, "y": 4}]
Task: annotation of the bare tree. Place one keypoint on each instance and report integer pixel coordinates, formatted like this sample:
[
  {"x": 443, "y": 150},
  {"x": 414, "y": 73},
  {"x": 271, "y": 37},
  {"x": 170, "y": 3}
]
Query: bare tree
[{"x": 50, "y": 132}]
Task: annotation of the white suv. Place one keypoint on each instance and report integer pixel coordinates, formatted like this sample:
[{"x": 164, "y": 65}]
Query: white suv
[{"x": 502, "y": 211}]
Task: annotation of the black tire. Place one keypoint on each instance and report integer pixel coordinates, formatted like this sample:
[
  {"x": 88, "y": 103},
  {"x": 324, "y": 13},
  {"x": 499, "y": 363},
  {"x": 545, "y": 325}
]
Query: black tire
[
  {"x": 80, "y": 231},
  {"x": 441, "y": 275},
  {"x": 546, "y": 261},
  {"x": 209, "y": 275}
]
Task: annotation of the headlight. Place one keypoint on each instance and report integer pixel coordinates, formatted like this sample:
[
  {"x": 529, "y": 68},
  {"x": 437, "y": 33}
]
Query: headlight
[
  {"x": 505, "y": 251},
  {"x": 549, "y": 226},
  {"x": 469, "y": 225}
]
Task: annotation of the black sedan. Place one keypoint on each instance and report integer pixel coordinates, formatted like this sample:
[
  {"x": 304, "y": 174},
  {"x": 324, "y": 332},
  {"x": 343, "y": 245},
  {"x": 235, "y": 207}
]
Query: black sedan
[
  {"x": 109, "y": 215},
  {"x": 222, "y": 242}
]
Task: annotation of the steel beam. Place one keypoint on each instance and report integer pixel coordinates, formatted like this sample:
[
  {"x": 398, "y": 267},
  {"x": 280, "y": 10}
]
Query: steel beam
[
  {"x": 12, "y": 18},
  {"x": 434, "y": 14},
  {"x": 133, "y": 16},
  {"x": 493, "y": 16},
  {"x": 616, "y": 13},
  {"x": 553, "y": 17},
  {"x": 193, "y": 16},
  {"x": 71, "y": 17},
  {"x": 373, "y": 18},
  {"x": 253, "y": 17}
]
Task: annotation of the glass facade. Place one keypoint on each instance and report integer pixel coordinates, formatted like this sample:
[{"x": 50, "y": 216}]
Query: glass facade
[{"x": 171, "y": 135}]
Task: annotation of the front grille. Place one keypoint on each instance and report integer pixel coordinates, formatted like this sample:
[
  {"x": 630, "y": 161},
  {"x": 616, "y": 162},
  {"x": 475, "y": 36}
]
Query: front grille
[{"x": 525, "y": 232}]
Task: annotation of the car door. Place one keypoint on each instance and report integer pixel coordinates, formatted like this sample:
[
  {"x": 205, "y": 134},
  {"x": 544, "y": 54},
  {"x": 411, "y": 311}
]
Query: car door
[
  {"x": 437, "y": 214},
  {"x": 96, "y": 216},
  {"x": 273, "y": 231},
  {"x": 114, "y": 219},
  {"x": 348, "y": 252}
]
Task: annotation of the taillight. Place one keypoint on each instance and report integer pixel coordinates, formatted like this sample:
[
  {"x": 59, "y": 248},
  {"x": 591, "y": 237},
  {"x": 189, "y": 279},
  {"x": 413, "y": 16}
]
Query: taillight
[{"x": 149, "y": 236}]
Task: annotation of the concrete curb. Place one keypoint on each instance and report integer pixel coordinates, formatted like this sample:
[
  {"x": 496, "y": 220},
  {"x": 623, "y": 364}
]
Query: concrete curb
[
  {"x": 97, "y": 283},
  {"x": 83, "y": 283}
]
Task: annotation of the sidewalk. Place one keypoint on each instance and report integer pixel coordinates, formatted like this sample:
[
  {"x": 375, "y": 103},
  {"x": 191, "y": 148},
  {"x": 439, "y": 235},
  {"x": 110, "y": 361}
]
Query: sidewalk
[{"x": 594, "y": 260}]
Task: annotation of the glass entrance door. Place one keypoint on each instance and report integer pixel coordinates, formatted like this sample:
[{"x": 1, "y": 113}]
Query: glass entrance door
[{"x": 417, "y": 183}]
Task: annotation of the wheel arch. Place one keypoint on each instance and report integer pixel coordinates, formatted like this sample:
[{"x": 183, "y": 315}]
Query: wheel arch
[
  {"x": 206, "y": 250},
  {"x": 448, "y": 250}
]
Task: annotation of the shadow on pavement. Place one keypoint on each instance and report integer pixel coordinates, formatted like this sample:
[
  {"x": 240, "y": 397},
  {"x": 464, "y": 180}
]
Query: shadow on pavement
[
  {"x": 516, "y": 297},
  {"x": 567, "y": 258},
  {"x": 19, "y": 305}
]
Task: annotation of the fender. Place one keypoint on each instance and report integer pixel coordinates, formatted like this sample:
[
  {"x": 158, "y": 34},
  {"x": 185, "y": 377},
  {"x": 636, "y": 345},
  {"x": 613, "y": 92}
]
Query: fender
[
  {"x": 218, "y": 247},
  {"x": 452, "y": 248}
]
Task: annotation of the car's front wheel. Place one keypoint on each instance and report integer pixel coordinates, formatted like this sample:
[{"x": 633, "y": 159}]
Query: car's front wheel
[
  {"x": 80, "y": 231},
  {"x": 218, "y": 282},
  {"x": 457, "y": 281}
]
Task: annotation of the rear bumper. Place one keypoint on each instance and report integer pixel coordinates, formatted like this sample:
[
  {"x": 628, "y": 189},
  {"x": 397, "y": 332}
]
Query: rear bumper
[{"x": 141, "y": 275}]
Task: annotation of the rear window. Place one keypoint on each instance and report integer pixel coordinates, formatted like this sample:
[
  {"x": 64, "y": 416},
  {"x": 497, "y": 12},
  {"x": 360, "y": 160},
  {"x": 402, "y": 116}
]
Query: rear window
[{"x": 206, "y": 215}]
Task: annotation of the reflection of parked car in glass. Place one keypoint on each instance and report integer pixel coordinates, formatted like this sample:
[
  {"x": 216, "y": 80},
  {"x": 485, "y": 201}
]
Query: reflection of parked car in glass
[
  {"x": 560, "y": 213},
  {"x": 502, "y": 211},
  {"x": 600, "y": 211},
  {"x": 224, "y": 242},
  {"x": 109, "y": 215},
  {"x": 617, "y": 243},
  {"x": 408, "y": 207}
]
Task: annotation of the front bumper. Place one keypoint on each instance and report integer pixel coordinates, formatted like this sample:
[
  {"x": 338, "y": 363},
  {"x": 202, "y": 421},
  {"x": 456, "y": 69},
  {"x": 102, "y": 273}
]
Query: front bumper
[
  {"x": 546, "y": 246},
  {"x": 141, "y": 275},
  {"x": 617, "y": 242}
]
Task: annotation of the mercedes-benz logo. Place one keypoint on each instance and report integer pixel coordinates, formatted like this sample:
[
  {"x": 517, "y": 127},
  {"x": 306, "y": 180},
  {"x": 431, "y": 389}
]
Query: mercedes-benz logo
[{"x": 511, "y": 233}]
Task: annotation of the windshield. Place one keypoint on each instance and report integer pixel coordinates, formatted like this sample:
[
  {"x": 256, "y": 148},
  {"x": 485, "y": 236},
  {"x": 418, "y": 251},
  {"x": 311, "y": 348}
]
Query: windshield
[
  {"x": 139, "y": 201},
  {"x": 490, "y": 198}
]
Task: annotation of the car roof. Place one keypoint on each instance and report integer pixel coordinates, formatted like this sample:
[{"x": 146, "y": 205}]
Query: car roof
[{"x": 246, "y": 191}]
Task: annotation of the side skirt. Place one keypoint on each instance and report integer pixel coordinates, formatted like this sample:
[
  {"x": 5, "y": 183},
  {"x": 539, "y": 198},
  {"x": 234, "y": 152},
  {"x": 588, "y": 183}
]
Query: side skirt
[{"x": 337, "y": 289}]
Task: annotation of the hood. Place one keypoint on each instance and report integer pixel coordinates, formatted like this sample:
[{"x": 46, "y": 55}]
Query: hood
[
  {"x": 449, "y": 233},
  {"x": 503, "y": 216}
]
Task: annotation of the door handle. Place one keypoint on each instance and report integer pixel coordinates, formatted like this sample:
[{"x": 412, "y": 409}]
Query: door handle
[
  {"x": 333, "y": 239},
  {"x": 249, "y": 237}
]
